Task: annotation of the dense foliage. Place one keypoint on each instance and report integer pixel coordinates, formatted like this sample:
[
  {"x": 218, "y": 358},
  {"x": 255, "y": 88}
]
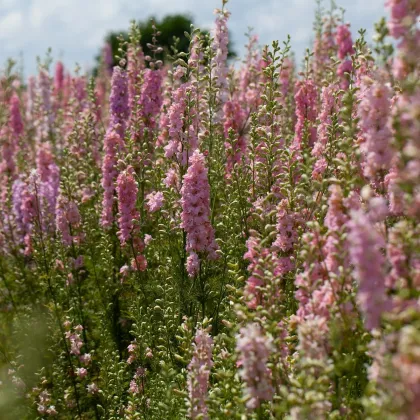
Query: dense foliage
[{"x": 193, "y": 240}]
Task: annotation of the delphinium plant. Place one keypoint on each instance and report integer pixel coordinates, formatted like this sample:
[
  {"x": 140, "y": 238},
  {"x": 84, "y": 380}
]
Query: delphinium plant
[{"x": 190, "y": 238}]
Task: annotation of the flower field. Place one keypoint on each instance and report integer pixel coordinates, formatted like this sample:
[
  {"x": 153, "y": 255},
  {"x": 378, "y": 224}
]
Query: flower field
[{"x": 197, "y": 239}]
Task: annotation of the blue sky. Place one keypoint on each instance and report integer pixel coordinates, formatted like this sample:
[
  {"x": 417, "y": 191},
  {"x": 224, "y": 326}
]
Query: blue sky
[{"x": 75, "y": 29}]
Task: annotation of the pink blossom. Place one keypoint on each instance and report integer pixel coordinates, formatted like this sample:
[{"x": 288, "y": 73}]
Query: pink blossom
[
  {"x": 151, "y": 94},
  {"x": 67, "y": 219},
  {"x": 112, "y": 145},
  {"x": 92, "y": 388},
  {"x": 344, "y": 41},
  {"x": 127, "y": 196},
  {"x": 75, "y": 341},
  {"x": 328, "y": 108},
  {"x": 313, "y": 338},
  {"x": 195, "y": 217},
  {"x": 8, "y": 151},
  {"x": 365, "y": 245},
  {"x": 335, "y": 217},
  {"x": 59, "y": 78},
  {"x": 305, "y": 97},
  {"x": 86, "y": 359},
  {"x": 51, "y": 411},
  {"x": 319, "y": 168},
  {"x": 139, "y": 263},
  {"x": 182, "y": 139},
  {"x": 199, "y": 373},
  {"x": 134, "y": 388},
  {"x": 15, "y": 118},
  {"x": 220, "y": 48},
  {"x": 118, "y": 100},
  {"x": 234, "y": 120},
  {"x": 374, "y": 111},
  {"x": 171, "y": 179},
  {"x": 45, "y": 122},
  {"x": 135, "y": 65},
  {"x": 287, "y": 224},
  {"x": 254, "y": 349},
  {"x": 155, "y": 201},
  {"x": 193, "y": 264},
  {"x": 81, "y": 372},
  {"x": 49, "y": 177},
  {"x": 147, "y": 239}
]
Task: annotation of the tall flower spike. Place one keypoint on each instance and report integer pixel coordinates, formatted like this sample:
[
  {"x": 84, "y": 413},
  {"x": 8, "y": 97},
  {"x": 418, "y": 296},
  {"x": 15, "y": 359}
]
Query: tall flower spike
[
  {"x": 135, "y": 64},
  {"x": 220, "y": 48},
  {"x": 198, "y": 375},
  {"x": 8, "y": 150},
  {"x": 118, "y": 101},
  {"x": 195, "y": 217},
  {"x": 151, "y": 94},
  {"x": 328, "y": 107},
  {"x": 344, "y": 41},
  {"x": 49, "y": 177},
  {"x": 254, "y": 350},
  {"x": 46, "y": 120},
  {"x": 59, "y": 78},
  {"x": 182, "y": 140},
  {"x": 234, "y": 120},
  {"x": 112, "y": 145},
  {"x": 365, "y": 245},
  {"x": 67, "y": 219},
  {"x": 374, "y": 111},
  {"x": 305, "y": 98},
  {"x": 127, "y": 195}
]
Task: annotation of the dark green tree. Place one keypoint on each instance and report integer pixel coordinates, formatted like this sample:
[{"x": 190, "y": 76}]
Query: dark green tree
[{"x": 171, "y": 28}]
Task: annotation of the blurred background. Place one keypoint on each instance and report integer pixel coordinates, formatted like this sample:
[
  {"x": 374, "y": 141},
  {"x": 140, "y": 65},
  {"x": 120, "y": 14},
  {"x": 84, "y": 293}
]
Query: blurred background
[{"x": 76, "y": 29}]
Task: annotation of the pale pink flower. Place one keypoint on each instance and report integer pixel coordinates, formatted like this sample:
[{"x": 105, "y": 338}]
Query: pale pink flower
[
  {"x": 155, "y": 201},
  {"x": 254, "y": 348},
  {"x": 199, "y": 373}
]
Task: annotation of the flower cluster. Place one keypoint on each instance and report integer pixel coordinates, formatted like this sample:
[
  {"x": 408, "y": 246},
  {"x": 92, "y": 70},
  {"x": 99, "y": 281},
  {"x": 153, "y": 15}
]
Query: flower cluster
[{"x": 181, "y": 237}]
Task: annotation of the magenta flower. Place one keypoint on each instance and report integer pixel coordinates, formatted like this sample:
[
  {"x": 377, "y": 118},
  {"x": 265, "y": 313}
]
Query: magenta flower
[
  {"x": 195, "y": 217},
  {"x": 287, "y": 224},
  {"x": 344, "y": 41},
  {"x": 15, "y": 119},
  {"x": 305, "y": 97},
  {"x": 182, "y": 139},
  {"x": 151, "y": 93},
  {"x": 118, "y": 101},
  {"x": 127, "y": 196}
]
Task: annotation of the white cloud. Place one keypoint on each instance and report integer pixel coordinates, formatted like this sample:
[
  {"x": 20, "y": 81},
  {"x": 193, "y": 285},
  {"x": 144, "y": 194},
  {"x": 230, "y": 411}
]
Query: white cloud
[{"x": 77, "y": 27}]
